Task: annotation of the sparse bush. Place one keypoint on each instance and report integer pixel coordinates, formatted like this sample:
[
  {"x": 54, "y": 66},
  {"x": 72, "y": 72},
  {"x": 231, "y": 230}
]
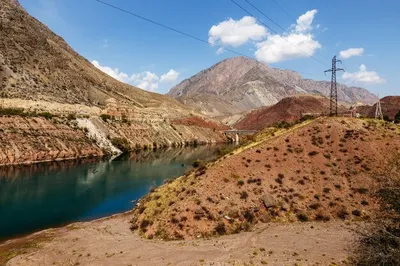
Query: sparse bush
[
  {"x": 312, "y": 153},
  {"x": 321, "y": 217},
  {"x": 356, "y": 212},
  {"x": 315, "y": 206},
  {"x": 220, "y": 228},
  {"x": 343, "y": 213},
  {"x": 12, "y": 111},
  {"x": 71, "y": 117},
  {"x": 105, "y": 117},
  {"x": 302, "y": 217},
  {"x": 326, "y": 190},
  {"x": 244, "y": 195},
  {"x": 240, "y": 182},
  {"x": 361, "y": 190},
  {"x": 121, "y": 144}
]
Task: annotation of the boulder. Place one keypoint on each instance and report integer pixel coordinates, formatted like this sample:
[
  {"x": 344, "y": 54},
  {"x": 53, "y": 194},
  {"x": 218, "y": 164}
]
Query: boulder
[{"x": 268, "y": 200}]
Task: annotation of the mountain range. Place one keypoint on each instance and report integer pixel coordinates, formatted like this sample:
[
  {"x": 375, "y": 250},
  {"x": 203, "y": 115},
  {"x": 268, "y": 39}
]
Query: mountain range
[{"x": 240, "y": 84}]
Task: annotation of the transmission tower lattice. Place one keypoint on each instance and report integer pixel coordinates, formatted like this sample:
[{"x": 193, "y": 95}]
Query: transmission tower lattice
[
  {"x": 378, "y": 110},
  {"x": 334, "y": 95}
]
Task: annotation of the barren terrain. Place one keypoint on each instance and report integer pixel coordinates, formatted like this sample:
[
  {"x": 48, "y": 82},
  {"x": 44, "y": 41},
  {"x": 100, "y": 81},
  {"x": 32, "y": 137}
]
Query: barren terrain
[
  {"x": 317, "y": 171},
  {"x": 110, "y": 242}
]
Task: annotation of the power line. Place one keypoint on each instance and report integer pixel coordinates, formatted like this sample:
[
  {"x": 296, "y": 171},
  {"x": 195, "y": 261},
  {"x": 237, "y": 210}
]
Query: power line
[
  {"x": 248, "y": 12},
  {"x": 284, "y": 11},
  {"x": 270, "y": 19},
  {"x": 183, "y": 33}
]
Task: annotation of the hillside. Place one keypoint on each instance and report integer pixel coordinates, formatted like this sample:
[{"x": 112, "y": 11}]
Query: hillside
[
  {"x": 55, "y": 105},
  {"x": 240, "y": 84},
  {"x": 317, "y": 171},
  {"x": 287, "y": 110},
  {"x": 390, "y": 107},
  {"x": 36, "y": 64}
]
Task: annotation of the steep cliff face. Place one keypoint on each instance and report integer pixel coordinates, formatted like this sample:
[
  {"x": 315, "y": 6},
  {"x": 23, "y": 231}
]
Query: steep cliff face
[
  {"x": 25, "y": 140},
  {"x": 240, "y": 84},
  {"x": 36, "y": 139}
]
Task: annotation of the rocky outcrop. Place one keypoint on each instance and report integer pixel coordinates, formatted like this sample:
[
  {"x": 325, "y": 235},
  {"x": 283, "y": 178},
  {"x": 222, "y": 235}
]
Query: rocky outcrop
[
  {"x": 36, "y": 139},
  {"x": 240, "y": 84},
  {"x": 25, "y": 140}
]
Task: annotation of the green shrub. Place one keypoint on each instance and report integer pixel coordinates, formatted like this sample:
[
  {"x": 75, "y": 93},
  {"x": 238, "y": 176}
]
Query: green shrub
[
  {"x": 105, "y": 117},
  {"x": 46, "y": 115},
  {"x": 397, "y": 118},
  {"x": 12, "y": 111},
  {"x": 303, "y": 217},
  {"x": 121, "y": 144}
]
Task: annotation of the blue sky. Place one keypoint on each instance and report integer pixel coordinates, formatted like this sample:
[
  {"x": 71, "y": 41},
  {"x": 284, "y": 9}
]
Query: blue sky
[{"x": 154, "y": 58}]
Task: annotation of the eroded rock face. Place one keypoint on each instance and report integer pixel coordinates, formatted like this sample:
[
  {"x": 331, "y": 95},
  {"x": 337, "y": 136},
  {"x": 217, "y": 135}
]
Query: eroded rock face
[
  {"x": 36, "y": 139},
  {"x": 27, "y": 140}
]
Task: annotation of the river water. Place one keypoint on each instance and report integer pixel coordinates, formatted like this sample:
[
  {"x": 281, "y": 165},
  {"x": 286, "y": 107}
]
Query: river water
[{"x": 48, "y": 195}]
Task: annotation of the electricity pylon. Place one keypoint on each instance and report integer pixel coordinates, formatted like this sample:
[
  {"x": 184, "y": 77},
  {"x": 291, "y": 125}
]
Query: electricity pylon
[
  {"x": 378, "y": 110},
  {"x": 334, "y": 96}
]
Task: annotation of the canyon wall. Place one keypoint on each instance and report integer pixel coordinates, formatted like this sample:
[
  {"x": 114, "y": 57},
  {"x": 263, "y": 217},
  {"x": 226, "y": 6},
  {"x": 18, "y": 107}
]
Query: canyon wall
[{"x": 25, "y": 139}]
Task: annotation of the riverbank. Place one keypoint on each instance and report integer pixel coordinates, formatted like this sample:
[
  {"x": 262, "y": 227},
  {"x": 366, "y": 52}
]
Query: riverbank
[
  {"x": 39, "y": 196},
  {"x": 35, "y": 138},
  {"x": 109, "y": 241}
]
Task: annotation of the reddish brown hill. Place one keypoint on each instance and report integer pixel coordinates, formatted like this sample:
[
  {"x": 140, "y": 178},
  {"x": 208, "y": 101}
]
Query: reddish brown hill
[
  {"x": 199, "y": 122},
  {"x": 318, "y": 171},
  {"x": 288, "y": 110},
  {"x": 390, "y": 107}
]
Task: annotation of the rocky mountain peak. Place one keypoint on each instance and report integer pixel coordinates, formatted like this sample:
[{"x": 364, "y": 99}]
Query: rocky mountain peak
[{"x": 240, "y": 84}]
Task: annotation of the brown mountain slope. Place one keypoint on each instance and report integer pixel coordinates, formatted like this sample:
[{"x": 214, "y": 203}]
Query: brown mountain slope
[
  {"x": 86, "y": 112},
  {"x": 288, "y": 109},
  {"x": 36, "y": 64},
  {"x": 240, "y": 84},
  {"x": 390, "y": 107},
  {"x": 320, "y": 170}
]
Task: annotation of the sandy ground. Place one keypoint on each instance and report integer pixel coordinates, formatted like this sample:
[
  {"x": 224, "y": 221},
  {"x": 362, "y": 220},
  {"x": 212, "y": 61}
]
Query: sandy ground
[{"x": 110, "y": 242}]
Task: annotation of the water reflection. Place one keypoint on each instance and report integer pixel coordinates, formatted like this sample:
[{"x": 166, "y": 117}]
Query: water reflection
[{"x": 40, "y": 196}]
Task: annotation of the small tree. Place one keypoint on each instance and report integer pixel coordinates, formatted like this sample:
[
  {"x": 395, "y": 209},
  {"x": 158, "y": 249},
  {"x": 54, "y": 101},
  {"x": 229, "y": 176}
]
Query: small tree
[{"x": 397, "y": 118}]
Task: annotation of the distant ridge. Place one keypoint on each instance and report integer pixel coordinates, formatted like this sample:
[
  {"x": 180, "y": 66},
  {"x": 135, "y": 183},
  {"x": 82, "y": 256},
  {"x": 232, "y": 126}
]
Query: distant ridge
[{"x": 240, "y": 84}]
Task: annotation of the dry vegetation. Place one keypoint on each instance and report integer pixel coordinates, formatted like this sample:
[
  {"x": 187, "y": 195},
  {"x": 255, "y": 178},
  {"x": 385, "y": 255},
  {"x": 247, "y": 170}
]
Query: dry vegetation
[
  {"x": 316, "y": 171},
  {"x": 380, "y": 244}
]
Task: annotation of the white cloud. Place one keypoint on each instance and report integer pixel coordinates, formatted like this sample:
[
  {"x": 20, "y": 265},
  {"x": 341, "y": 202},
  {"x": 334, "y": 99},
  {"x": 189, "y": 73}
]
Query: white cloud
[
  {"x": 351, "y": 52},
  {"x": 304, "y": 22},
  {"x": 113, "y": 72},
  {"x": 220, "y": 51},
  {"x": 277, "y": 49},
  {"x": 363, "y": 76},
  {"x": 295, "y": 44},
  {"x": 145, "y": 80},
  {"x": 236, "y": 32},
  {"x": 169, "y": 77}
]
